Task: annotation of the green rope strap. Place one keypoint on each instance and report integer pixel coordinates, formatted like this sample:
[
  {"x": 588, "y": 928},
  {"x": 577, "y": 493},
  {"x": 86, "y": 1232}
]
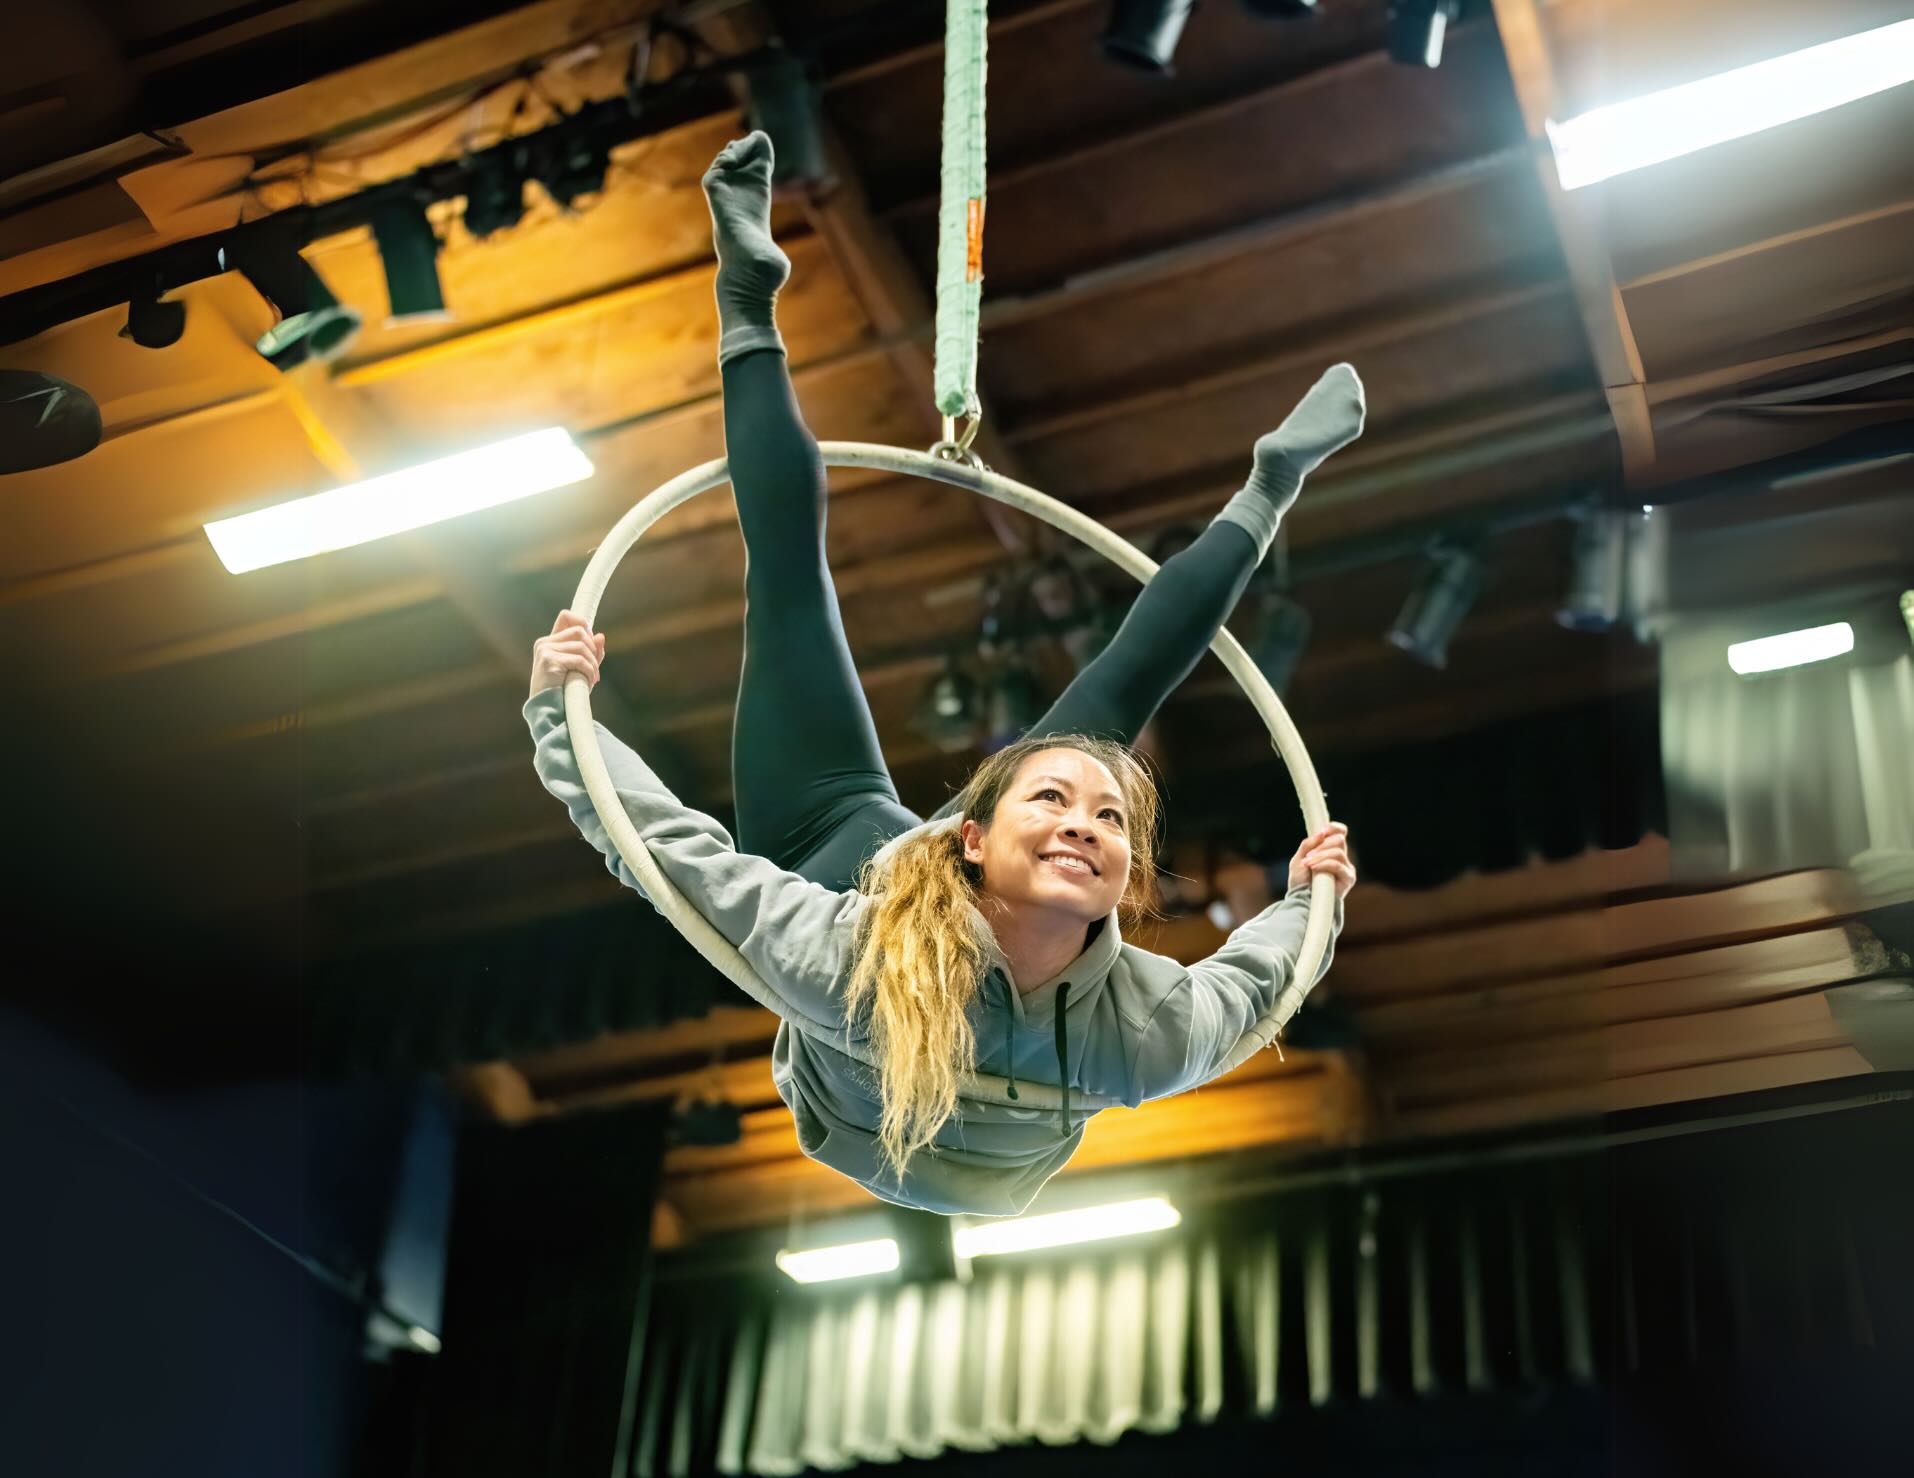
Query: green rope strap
[{"x": 960, "y": 210}]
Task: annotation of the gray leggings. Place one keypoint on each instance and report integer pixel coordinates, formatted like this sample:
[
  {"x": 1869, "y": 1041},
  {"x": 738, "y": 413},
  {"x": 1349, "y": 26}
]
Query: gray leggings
[{"x": 811, "y": 788}]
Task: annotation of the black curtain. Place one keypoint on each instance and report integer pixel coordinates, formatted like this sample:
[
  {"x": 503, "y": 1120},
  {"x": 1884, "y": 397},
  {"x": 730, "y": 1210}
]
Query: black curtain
[
  {"x": 546, "y": 1287},
  {"x": 1551, "y": 785}
]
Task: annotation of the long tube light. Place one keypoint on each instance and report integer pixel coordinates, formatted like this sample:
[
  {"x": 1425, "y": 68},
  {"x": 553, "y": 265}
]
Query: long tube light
[
  {"x": 1612, "y": 140},
  {"x": 1089, "y": 1224},
  {"x": 851, "y": 1260},
  {"x": 1791, "y": 649},
  {"x": 430, "y": 493}
]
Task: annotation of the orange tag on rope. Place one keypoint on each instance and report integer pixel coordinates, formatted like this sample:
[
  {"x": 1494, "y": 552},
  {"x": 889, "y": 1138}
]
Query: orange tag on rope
[{"x": 974, "y": 247}]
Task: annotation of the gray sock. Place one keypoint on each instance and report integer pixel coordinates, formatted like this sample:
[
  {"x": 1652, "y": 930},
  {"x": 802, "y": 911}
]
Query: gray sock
[
  {"x": 1327, "y": 419},
  {"x": 751, "y": 268}
]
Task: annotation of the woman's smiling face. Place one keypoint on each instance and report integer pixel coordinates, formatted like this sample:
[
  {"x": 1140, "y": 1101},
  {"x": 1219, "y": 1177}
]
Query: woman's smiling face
[{"x": 1058, "y": 839}]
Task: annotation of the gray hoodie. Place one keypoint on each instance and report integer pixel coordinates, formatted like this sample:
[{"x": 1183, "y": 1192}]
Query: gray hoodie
[{"x": 1117, "y": 1026}]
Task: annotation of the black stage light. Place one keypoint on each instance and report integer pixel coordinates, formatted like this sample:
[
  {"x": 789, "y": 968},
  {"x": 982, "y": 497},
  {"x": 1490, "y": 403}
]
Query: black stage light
[
  {"x": 1598, "y": 576},
  {"x": 784, "y": 103},
  {"x": 576, "y": 170},
  {"x": 153, "y": 322},
  {"x": 44, "y": 421},
  {"x": 410, "y": 252},
  {"x": 1280, "y": 641},
  {"x": 1281, "y": 10},
  {"x": 1143, "y": 33},
  {"x": 494, "y": 201},
  {"x": 1417, "y": 29},
  {"x": 313, "y": 324},
  {"x": 1015, "y": 703},
  {"x": 951, "y": 710},
  {"x": 1437, "y": 606}
]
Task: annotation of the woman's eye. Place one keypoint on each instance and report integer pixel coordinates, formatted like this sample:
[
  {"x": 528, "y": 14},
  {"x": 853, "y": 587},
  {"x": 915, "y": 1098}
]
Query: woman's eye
[
  {"x": 1050, "y": 795},
  {"x": 1112, "y": 817}
]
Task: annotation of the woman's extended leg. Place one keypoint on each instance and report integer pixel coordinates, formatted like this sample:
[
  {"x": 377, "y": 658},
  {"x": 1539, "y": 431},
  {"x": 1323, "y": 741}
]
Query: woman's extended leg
[
  {"x": 810, "y": 785},
  {"x": 1179, "y": 612}
]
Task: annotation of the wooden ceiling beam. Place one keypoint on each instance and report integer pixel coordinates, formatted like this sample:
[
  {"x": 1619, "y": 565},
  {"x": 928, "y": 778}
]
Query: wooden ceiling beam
[
  {"x": 1187, "y": 258},
  {"x": 1700, "y": 265},
  {"x": 1578, "y": 225}
]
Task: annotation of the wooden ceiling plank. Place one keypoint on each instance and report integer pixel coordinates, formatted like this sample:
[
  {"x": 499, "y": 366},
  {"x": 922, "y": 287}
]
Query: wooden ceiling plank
[
  {"x": 1767, "y": 244},
  {"x": 1709, "y": 382}
]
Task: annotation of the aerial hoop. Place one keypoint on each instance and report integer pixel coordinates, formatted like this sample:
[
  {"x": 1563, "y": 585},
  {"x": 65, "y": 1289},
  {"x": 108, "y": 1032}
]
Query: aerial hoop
[{"x": 977, "y": 479}]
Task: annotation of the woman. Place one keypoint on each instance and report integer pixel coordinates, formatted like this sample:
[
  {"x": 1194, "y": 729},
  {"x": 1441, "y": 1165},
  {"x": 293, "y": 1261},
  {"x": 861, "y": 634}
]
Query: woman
[{"x": 985, "y": 940}]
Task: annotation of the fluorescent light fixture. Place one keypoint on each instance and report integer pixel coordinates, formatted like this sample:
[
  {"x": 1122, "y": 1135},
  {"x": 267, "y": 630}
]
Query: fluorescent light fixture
[
  {"x": 430, "y": 493},
  {"x": 852, "y": 1260},
  {"x": 1907, "y": 612},
  {"x": 1791, "y": 649},
  {"x": 1663, "y": 125},
  {"x": 1090, "y": 1224}
]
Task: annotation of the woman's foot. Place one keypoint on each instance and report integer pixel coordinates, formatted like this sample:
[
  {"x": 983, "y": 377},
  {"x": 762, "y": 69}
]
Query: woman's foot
[
  {"x": 751, "y": 267},
  {"x": 1325, "y": 420}
]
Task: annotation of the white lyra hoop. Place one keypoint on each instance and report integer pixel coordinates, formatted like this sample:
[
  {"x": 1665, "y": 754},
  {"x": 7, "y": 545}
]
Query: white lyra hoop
[{"x": 718, "y": 950}]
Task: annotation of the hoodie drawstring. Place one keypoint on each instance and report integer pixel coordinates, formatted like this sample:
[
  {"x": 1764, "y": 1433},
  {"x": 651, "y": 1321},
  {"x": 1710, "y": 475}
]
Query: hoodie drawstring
[
  {"x": 1063, "y": 1056},
  {"x": 1010, "y": 1040}
]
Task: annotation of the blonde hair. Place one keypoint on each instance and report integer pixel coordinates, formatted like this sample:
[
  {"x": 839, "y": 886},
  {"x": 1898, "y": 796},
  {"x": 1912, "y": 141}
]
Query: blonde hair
[{"x": 923, "y": 942}]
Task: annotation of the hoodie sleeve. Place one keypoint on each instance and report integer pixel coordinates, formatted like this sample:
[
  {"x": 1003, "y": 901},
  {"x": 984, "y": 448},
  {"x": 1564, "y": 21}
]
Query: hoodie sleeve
[
  {"x": 1200, "y": 1021},
  {"x": 798, "y": 935}
]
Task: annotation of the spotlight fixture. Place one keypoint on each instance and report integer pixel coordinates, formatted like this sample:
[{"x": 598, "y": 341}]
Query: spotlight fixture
[
  {"x": 1014, "y": 704},
  {"x": 153, "y": 322},
  {"x": 313, "y": 324},
  {"x": 1417, "y": 29},
  {"x": 577, "y": 170},
  {"x": 44, "y": 421},
  {"x": 950, "y": 711},
  {"x": 1598, "y": 578},
  {"x": 784, "y": 103},
  {"x": 1280, "y": 640},
  {"x": 1437, "y": 606},
  {"x": 1281, "y": 10},
  {"x": 1143, "y": 33},
  {"x": 494, "y": 202},
  {"x": 410, "y": 252}
]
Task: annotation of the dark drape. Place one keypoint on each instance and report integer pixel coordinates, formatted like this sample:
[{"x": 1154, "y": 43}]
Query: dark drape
[
  {"x": 546, "y": 1287},
  {"x": 1670, "y": 1284},
  {"x": 1550, "y": 786}
]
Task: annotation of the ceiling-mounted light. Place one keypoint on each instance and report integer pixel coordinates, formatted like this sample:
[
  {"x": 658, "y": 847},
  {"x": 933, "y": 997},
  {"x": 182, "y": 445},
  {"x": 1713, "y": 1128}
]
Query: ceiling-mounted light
[
  {"x": 1791, "y": 649},
  {"x": 1437, "y": 606},
  {"x": 951, "y": 710},
  {"x": 1015, "y": 702},
  {"x": 1282, "y": 10},
  {"x": 1658, "y": 126},
  {"x": 1418, "y": 29},
  {"x": 44, "y": 421},
  {"x": 1281, "y": 638},
  {"x": 1060, "y": 1228},
  {"x": 430, "y": 493},
  {"x": 494, "y": 201},
  {"x": 852, "y": 1260},
  {"x": 313, "y": 324},
  {"x": 784, "y": 103},
  {"x": 1907, "y": 612},
  {"x": 1143, "y": 33},
  {"x": 578, "y": 169},
  {"x": 154, "y": 322},
  {"x": 1598, "y": 572},
  {"x": 409, "y": 250}
]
